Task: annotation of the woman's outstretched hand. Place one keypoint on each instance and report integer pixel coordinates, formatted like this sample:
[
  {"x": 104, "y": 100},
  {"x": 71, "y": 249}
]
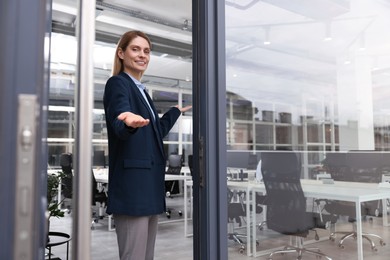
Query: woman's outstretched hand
[
  {"x": 183, "y": 109},
  {"x": 133, "y": 120}
]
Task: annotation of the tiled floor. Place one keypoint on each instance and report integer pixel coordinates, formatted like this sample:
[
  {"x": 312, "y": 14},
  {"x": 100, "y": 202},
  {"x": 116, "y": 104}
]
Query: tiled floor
[{"x": 172, "y": 244}]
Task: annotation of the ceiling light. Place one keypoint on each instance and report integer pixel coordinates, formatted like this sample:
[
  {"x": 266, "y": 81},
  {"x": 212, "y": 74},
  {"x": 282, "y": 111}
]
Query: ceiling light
[
  {"x": 266, "y": 38},
  {"x": 328, "y": 32},
  {"x": 362, "y": 42}
]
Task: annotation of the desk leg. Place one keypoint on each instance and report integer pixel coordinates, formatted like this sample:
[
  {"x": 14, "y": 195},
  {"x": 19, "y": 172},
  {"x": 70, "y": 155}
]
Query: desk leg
[
  {"x": 110, "y": 228},
  {"x": 384, "y": 213},
  {"x": 359, "y": 230},
  {"x": 185, "y": 209},
  {"x": 186, "y": 217},
  {"x": 249, "y": 222},
  {"x": 254, "y": 226}
]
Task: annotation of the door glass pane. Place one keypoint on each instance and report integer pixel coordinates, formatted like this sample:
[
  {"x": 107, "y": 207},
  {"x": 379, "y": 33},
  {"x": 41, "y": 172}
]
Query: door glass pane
[
  {"x": 168, "y": 80},
  {"x": 308, "y": 78}
]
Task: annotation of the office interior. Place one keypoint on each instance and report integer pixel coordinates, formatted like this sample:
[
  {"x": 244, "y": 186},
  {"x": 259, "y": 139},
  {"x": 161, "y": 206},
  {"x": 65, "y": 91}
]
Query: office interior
[{"x": 310, "y": 78}]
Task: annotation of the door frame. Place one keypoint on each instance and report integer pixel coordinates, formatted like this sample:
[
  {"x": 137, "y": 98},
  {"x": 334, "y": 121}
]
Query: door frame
[
  {"x": 209, "y": 134},
  {"x": 24, "y": 79}
]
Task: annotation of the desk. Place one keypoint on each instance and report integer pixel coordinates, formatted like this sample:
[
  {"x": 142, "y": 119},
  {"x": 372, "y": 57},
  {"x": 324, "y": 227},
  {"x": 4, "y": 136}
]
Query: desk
[
  {"x": 239, "y": 185},
  {"x": 344, "y": 191},
  {"x": 56, "y": 239},
  {"x": 101, "y": 176}
]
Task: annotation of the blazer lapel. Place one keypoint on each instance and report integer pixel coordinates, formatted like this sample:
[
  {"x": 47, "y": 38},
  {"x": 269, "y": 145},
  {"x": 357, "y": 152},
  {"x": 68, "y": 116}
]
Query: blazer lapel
[{"x": 156, "y": 122}]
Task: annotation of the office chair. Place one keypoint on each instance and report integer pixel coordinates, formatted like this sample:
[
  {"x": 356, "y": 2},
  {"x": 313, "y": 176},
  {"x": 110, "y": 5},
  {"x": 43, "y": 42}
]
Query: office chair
[
  {"x": 99, "y": 198},
  {"x": 285, "y": 197},
  {"x": 191, "y": 164},
  {"x": 172, "y": 187},
  {"x": 358, "y": 166},
  {"x": 67, "y": 181},
  {"x": 237, "y": 215},
  {"x": 236, "y": 211},
  {"x": 344, "y": 208}
]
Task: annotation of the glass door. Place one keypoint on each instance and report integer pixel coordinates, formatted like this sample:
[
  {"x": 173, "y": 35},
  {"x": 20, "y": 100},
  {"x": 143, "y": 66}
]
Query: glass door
[
  {"x": 309, "y": 77},
  {"x": 25, "y": 29}
]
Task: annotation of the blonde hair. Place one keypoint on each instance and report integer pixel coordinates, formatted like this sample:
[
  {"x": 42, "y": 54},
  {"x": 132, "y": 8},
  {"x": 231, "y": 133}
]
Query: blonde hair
[{"x": 124, "y": 41}]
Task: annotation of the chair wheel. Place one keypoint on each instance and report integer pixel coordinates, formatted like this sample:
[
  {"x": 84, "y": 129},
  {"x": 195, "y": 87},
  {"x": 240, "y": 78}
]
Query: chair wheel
[
  {"x": 382, "y": 243},
  {"x": 341, "y": 246},
  {"x": 331, "y": 238},
  {"x": 241, "y": 250},
  {"x": 374, "y": 249},
  {"x": 257, "y": 243},
  {"x": 180, "y": 213}
]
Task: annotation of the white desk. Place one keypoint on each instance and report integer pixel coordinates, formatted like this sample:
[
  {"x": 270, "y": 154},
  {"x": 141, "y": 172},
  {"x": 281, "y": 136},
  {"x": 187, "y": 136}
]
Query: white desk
[
  {"x": 238, "y": 185},
  {"x": 344, "y": 191},
  {"x": 101, "y": 176}
]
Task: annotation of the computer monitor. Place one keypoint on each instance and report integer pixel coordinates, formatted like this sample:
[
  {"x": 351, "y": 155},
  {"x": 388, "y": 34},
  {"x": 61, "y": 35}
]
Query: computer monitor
[{"x": 99, "y": 160}]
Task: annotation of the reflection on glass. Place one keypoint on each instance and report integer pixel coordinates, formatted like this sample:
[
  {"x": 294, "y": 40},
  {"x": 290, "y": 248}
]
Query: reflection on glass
[{"x": 309, "y": 77}]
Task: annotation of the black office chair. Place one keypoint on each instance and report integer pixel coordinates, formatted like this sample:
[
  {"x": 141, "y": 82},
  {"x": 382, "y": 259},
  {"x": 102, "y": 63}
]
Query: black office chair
[
  {"x": 66, "y": 163},
  {"x": 357, "y": 166},
  {"x": 286, "y": 203},
  {"x": 345, "y": 208},
  {"x": 172, "y": 187},
  {"x": 191, "y": 164},
  {"x": 237, "y": 216},
  {"x": 99, "y": 198}
]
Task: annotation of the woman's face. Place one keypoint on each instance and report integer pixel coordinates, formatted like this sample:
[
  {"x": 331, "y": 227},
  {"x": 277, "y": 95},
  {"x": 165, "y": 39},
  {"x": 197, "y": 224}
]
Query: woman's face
[{"x": 136, "y": 57}]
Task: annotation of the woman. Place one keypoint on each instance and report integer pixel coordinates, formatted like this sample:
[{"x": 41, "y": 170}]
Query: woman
[{"x": 136, "y": 192}]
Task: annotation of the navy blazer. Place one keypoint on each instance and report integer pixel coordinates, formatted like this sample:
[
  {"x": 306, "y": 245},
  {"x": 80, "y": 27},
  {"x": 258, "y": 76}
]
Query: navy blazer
[{"x": 136, "y": 156}]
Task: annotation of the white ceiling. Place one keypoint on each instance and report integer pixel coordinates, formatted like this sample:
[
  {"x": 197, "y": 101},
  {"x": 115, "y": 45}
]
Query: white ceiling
[
  {"x": 165, "y": 23},
  {"x": 298, "y": 55}
]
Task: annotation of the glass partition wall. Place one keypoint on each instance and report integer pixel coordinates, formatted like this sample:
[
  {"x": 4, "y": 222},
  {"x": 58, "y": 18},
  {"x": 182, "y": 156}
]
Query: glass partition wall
[
  {"x": 166, "y": 92},
  {"x": 313, "y": 78}
]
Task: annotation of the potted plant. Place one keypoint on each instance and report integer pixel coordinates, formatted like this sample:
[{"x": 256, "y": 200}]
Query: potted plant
[{"x": 53, "y": 182}]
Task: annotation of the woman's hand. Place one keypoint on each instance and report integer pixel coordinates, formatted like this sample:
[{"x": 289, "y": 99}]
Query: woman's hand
[
  {"x": 133, "y": 120},
  {"x": 184, "y": 109}
]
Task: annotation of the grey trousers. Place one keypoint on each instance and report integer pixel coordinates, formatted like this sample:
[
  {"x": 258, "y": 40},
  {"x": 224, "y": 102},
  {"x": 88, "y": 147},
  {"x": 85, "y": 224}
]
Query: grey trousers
[{"x": 136, "y": 236}]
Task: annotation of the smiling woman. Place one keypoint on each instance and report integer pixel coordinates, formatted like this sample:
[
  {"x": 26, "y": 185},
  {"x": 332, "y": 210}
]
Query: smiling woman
[{"x": 137, "y": 159}]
